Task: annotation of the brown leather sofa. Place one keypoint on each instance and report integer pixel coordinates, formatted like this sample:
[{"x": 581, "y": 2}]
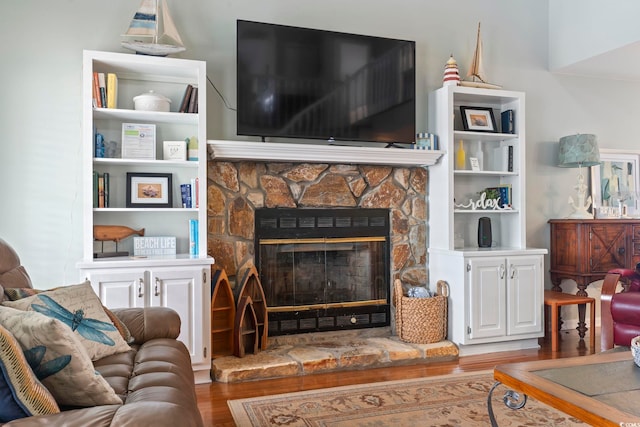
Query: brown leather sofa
[{"x": 154, "y": 379}]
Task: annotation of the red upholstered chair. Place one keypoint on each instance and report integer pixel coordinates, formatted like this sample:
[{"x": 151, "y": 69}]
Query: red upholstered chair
[{"x": 620, "y": 312}]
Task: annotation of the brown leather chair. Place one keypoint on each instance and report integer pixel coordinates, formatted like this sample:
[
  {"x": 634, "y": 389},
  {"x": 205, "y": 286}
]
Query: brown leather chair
[{"x": 620, "y": 312}]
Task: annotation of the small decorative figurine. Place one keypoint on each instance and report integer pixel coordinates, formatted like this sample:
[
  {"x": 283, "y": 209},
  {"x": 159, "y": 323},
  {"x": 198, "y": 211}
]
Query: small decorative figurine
[
  {"x": 451, "y": 74},
  {"x": 113, "y": 233}
]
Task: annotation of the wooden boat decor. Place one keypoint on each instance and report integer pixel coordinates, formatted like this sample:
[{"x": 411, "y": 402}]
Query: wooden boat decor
[
  {"x": 475, "y": 75},
  {"x": 223, "y": 314},
  {"x": 250, "y": 286},
  {"x": 245, "y": 336}
]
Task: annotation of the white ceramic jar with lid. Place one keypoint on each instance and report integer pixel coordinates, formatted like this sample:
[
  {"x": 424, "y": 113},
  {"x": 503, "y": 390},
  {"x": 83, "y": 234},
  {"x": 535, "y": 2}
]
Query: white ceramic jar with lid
[{"x": 151, "y": 101}]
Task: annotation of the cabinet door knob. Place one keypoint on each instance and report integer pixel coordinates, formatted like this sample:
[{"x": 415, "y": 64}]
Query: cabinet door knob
[
  {"x": 621, "y": 251},
  {"x": 157, "y": 287},
  {"x": 140, "y": 283},
  {"x": 513, "y": 271},
  {"x": 502, "y": 271}
]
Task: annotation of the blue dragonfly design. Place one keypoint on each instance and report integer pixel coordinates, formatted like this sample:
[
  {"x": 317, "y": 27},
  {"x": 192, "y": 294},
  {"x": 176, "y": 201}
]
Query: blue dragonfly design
[
  {"x": 88, "y": 328},
  {"x": 34, "y": 358}
]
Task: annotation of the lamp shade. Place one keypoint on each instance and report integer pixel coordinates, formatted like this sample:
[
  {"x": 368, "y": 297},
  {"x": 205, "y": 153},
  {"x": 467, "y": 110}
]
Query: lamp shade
[{"x": 578, "y": 150}]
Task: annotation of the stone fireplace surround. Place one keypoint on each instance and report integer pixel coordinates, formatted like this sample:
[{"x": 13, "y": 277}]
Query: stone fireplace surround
[{"x": 244, "y": 176}]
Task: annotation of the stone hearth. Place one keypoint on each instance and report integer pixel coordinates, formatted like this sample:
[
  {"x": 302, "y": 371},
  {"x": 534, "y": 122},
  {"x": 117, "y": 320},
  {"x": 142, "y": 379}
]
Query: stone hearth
[{"x": 312, "y": 353}]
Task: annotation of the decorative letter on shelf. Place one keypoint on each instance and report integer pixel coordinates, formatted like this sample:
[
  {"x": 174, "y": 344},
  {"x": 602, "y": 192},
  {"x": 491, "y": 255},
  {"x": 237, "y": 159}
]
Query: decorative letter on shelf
[{"x": 484, "y": 204}]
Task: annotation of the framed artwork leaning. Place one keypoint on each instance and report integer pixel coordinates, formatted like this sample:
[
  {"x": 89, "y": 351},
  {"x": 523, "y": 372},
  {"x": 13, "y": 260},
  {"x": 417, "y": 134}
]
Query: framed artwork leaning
[
  {"x": 478, "y": 119},
  {"x": 615, "y": 183}
]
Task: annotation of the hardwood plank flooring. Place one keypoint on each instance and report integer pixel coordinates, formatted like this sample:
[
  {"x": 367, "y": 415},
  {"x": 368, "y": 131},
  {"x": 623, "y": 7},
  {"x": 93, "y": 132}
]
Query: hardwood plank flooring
[{"x": 212, "y": 398}]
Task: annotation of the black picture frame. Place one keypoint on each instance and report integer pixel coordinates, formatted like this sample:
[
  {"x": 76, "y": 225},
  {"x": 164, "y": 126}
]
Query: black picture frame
[
  {"x": 149, "y": 190},
  {"x": 478, "y": 119}
]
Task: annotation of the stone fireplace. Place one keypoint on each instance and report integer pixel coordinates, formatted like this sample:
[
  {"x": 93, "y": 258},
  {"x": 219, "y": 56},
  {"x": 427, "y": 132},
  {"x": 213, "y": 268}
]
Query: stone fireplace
[{"x": 236, "y": 189}]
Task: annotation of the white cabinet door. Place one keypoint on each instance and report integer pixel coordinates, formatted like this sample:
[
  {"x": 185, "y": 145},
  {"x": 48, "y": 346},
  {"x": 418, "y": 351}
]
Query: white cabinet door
[
  {"x": 486, "y": 298},
  {"x": 524, "y": 295},
  {"x": 119, "y": 288},
  {"x": 183, "y": 290}
]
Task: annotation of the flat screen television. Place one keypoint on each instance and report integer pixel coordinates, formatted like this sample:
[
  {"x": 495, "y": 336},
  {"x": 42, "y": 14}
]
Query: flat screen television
[{"x": 306, "y": 83}]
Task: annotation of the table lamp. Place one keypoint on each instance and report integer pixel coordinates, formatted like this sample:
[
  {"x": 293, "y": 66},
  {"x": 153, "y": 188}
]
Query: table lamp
[{"x": 577, "y": 151}]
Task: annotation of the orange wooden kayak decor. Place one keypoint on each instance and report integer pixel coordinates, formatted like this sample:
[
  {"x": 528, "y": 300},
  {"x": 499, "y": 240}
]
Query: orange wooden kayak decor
[
  {"x": 223, "y": 313},
  {"x": 250, "y": 286},
  {"x": 245, "y": 338}
]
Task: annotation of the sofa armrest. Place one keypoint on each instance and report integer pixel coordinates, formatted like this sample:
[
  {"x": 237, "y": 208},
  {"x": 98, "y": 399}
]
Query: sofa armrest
[
  {"x": 606, "y": 320},
  {"x": 149, "y": 322},
  {"x": 147, "y": 413},
  {"x": 94, "y": 416},
  {"x": 623, "y": 272}
]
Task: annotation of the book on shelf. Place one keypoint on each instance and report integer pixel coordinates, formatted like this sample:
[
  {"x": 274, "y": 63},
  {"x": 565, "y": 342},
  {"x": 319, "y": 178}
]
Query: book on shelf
[
  {"x": 185, "y": 192},
  {"x": 95, "y": 189},
  {"x": 193, "y": 101},
  {"x": 106, "y": 178},
  {"x": 502, "y": 192},
  {"x": 194, "y": 193},
  {"x": 112, "y": 90},
  {"x": 99, "y": 146},
  {"x": 100, "y": 190},
  {"x": 97, "y": 102},
  {"x": 184, "y": 104},
  {"x": 195, "y": 108},
  {"x": 508, "y": 121},
  {"x": 102, "y": 84},
  {"x": 501, "y": 158},
  {"x": 193, "y": 237}
]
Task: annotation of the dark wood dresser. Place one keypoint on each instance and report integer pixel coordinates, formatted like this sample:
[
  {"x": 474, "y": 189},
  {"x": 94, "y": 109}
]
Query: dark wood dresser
[{"x": 585, "y": 249}]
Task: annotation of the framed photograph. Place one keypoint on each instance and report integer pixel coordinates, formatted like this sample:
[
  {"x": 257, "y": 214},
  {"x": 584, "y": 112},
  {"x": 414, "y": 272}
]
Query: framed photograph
[
  {"x": 615, "y": 182},
  {"x": 478, "y": 119},
  {"x": 149, "y": 190}
]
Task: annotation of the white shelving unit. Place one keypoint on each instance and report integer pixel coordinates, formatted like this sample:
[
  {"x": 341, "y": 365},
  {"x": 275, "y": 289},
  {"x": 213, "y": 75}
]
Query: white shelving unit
[
  {"x": 496, "y": 292},
  {"x": 181, "y": 282}
]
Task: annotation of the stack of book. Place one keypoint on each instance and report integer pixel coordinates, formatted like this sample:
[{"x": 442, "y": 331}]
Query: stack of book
[
  {"x": 105, "y": 90},
  {"x": 189, "y": 102},
  {"x": 100, "y": 190},
  {"x": 502, "y": 192},
  {"x": 189, "y": 193}
]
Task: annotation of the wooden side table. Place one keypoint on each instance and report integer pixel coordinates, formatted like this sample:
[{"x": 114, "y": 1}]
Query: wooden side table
[{"x": 555, "y": 300}]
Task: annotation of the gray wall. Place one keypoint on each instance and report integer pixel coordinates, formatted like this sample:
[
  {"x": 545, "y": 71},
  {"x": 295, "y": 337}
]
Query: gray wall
[{"x": 40, "y": 167}]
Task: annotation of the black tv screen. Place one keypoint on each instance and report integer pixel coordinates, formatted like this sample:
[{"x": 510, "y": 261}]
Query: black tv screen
[{"x": 306, "y": 83}]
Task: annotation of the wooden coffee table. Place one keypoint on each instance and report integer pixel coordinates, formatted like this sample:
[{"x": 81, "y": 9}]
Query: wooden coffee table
[{"x": 601, "y": 389}]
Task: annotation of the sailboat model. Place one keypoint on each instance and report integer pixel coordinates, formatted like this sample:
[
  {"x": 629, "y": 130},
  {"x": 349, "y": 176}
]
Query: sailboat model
[
  {"x": 153, "y": 23},
  {"x": 475, "y": 74}
]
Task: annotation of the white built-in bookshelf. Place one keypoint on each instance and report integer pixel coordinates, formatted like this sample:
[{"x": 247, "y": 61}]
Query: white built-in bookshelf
[
  {"x": 496, "y": 291},
  {"x": 180, "y": 281}
]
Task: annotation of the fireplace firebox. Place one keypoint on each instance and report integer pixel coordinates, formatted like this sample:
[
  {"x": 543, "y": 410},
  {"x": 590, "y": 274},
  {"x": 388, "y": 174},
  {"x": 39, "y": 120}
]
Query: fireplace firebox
[{"x": 323, "y": 269}]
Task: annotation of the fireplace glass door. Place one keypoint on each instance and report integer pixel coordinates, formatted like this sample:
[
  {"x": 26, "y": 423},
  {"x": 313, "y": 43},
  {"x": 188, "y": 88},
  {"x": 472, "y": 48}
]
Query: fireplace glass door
[
  {"x": 321, "y": 273},
  {"x": 323, "y": 269}
]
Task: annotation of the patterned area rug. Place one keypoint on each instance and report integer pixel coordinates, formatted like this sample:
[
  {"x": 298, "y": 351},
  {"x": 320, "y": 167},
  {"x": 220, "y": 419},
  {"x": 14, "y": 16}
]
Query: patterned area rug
[{"x": 450, "y": 400}]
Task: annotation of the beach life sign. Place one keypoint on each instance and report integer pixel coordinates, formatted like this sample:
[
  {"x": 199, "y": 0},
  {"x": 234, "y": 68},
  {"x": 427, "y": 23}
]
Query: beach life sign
[{"x": 154, "y": 245}]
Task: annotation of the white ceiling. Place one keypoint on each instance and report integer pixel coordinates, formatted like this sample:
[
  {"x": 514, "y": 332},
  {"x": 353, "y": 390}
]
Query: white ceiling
[{"x": 618, "y": 64}]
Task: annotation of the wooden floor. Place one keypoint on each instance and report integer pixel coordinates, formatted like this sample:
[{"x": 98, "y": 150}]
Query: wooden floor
[{"x": 212, "y": 398}]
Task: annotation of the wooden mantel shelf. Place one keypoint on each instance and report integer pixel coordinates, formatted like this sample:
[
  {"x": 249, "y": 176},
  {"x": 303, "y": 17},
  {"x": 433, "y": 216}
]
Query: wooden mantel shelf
[{"x": 317, "y": 153}]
